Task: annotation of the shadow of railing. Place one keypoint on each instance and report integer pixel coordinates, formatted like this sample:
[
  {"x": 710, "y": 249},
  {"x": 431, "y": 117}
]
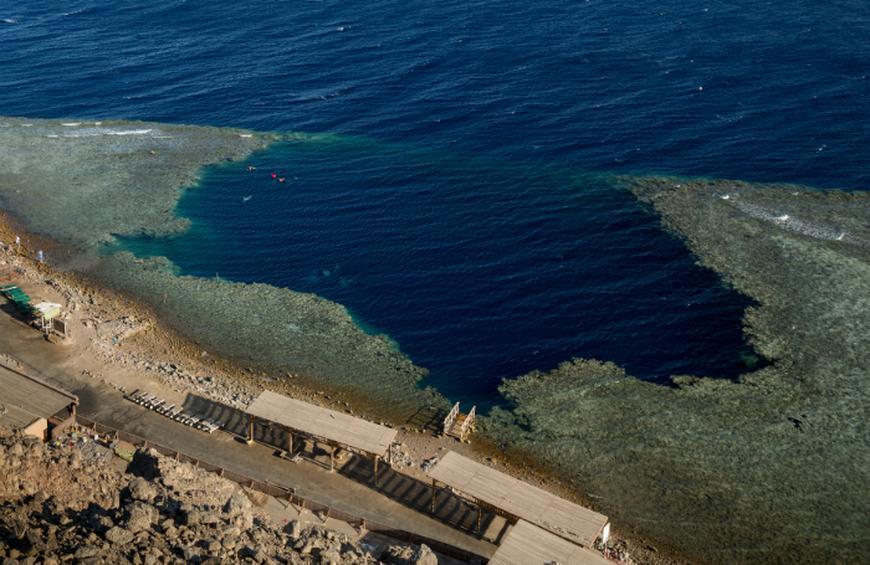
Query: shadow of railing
[
  {"x": 409, "y": 491},
  {"x": 146, "y": 465},
  {"x": 236, "y": 421},
  {"x": 229, "y": 418},
  {"x": 429, "y": 419},
  {"x": 417, "y": 494}
]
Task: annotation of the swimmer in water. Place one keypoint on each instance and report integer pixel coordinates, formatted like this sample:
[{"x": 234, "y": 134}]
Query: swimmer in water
[{"x": 274, "y": 175}]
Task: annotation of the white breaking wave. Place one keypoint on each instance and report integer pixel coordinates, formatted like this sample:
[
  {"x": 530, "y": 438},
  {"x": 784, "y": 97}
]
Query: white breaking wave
[
  {"x": 71, "y": 124},
  {"x": 818, "y": 231},
  {"x": 98, "y": 132},
  {"x": 129, "y": 132}
]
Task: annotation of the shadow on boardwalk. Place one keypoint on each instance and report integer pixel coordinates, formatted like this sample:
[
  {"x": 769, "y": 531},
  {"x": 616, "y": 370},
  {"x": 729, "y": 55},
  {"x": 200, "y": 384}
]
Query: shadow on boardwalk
[
  {"x": 407, "y": 490},
  {"x": 417, "y": 494}
]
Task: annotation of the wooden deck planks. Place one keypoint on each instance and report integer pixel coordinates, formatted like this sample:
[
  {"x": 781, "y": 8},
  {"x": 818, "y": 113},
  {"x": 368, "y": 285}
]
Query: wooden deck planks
[
  {"x": 559, "y": 516},
  {"x": 32, "y": 395},
  {"x": 527, "y": 544},
  {"x": 314, "y": 420}
]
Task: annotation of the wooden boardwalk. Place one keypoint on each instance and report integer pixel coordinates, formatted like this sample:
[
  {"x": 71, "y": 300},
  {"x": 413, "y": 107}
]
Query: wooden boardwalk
[
  {"x": 520, "y": 500},
  {"x": 527, "y": 544},
  {"x": 334, "y": 427},
  {"x": 25, "y": 398}
]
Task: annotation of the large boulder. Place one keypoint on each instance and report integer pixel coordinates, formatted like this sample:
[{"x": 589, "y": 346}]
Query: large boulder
[
  {"x": 141, "y": 516},
  {"x": 405, "y": 555},
  {"x": 237, "y": 504},
  {"x": 142, "y": 490},
  {"x": 239, "y": 510},
  {"x": 119, "y": 536}
]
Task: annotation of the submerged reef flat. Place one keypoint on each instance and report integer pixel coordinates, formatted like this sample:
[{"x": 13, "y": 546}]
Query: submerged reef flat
[
  {"x": 771, "y": 466},
  {"x": 277, "y": 329},
  {"x": 86, "y": 183},
  {"x": 81, "y": 182}
]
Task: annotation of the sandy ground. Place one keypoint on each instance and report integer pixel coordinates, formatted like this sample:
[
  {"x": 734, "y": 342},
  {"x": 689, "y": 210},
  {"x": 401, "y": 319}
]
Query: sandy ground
[{"x": 115, "y": 341}]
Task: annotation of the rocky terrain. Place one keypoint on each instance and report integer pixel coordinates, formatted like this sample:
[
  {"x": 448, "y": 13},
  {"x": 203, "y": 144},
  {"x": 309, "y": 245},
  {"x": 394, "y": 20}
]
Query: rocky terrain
[{"x": 72, "y": 500}]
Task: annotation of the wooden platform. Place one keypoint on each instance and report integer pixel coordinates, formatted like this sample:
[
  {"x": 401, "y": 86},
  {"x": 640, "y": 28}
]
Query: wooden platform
[
  {"x": 26, "y": 397},
  {"x": 521, "y": 500},
  {"x": 335, "y": 427},
  {"x": 527, "y": 544}
]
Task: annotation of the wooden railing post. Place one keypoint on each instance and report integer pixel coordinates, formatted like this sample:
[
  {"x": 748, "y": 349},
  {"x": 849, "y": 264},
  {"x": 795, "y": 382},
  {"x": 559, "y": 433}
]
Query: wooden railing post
[{"x": 432, "y": 503}]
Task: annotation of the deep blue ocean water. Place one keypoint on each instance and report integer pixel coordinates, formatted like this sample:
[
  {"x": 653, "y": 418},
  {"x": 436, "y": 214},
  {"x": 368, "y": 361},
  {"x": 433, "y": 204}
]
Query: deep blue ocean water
[{"x": 464, "y": 205}]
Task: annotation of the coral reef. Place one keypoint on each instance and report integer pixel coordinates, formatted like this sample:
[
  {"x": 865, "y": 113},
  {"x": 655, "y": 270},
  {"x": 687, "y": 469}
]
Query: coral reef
[
  {"x": 85, "y": 183},
  {"x": 771, "y": 466},
  {"x": 274, "y": 328}
]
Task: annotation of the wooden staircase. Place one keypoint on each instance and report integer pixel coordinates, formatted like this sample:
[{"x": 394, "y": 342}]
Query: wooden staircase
[{"x": 459, "y": 425}]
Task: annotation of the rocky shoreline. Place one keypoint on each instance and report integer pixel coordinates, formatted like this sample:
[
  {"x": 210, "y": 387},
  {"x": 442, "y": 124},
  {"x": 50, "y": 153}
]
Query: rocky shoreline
[{"x": 69, "y": 500}]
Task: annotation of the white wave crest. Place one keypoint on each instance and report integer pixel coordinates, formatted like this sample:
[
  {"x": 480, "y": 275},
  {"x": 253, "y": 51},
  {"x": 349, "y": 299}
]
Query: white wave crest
[
  {"x": 795, "y": 225},
  {"x": 129, "y": 132},
  {"x": 98, "y": 132}
]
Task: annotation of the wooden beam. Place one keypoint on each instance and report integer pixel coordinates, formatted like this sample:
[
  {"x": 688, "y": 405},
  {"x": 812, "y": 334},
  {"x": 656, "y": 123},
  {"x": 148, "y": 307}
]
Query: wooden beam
[
  {"x": 250, "y": 430},
  {"x": 432, "y": 509},
  {"x": 376, "y": 458}
]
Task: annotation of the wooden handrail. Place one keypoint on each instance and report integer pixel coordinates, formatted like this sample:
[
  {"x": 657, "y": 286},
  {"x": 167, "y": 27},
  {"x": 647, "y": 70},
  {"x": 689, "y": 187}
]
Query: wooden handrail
[{"x": 451, "y": 418}]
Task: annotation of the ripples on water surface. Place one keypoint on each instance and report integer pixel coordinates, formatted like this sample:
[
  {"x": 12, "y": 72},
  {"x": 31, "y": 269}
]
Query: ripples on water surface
[{"x": 467, "y": 230}]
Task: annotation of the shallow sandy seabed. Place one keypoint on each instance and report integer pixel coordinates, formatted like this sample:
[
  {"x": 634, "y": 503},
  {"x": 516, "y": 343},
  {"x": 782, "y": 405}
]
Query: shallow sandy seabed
[{"x": 771, "y": 466}]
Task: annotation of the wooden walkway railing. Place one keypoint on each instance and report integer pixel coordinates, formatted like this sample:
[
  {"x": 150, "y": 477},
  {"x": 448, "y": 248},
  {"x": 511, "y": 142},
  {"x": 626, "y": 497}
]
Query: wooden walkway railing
[
  {"x": 450, "y": 419},
  {"x": 284, "y": 493}
]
